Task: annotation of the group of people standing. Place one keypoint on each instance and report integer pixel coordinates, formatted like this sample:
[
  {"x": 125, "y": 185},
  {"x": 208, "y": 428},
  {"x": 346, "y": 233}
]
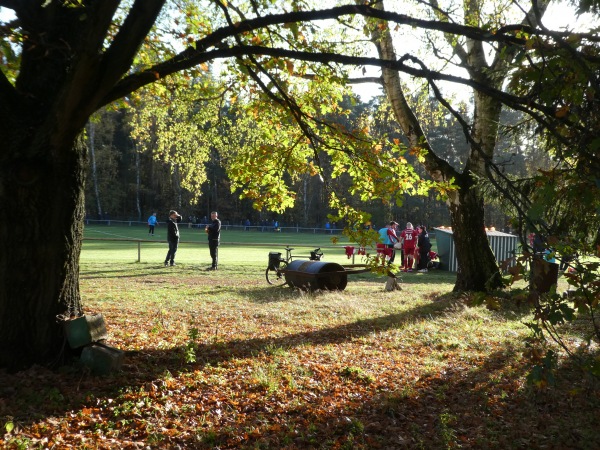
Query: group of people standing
[
  {"x": 413, "y": 243},
  {"x": 213, "y": 232}
]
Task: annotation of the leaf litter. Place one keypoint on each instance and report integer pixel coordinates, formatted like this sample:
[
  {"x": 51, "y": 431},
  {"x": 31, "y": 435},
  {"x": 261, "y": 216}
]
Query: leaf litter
[{"x": 275, "y": 368}]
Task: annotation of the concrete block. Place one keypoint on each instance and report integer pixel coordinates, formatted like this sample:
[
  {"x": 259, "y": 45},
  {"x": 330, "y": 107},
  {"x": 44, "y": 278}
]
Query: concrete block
[
  {"x": 102, "y": 359},
  {"x": 84, "y": 330}
]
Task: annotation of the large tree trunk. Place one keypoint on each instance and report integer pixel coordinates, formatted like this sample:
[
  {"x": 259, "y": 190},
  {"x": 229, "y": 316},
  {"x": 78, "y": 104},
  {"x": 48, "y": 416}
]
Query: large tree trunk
[
  {"x": 70, "y": 62},
  {"x": 477, "y": 266},
  {"x": 92, "y": 147},
  {"x": 41, "y": 233}
]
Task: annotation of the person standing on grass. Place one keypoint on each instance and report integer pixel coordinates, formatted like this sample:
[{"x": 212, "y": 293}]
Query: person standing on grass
[
  {"x": 424, "y": 246},
  {"x": 383, "y": 246},
  {"x": 152, "y": 222},
  {"x": 213, "y": 230},
  {"x": 409, "y": 239},
  {"x": 172, "y": 236},
  {"x": 393, "y": 238}
]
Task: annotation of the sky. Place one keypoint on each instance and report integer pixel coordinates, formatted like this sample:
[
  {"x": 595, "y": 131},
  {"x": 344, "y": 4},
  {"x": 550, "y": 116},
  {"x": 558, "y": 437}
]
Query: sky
[{"x": 559, "y": 16}]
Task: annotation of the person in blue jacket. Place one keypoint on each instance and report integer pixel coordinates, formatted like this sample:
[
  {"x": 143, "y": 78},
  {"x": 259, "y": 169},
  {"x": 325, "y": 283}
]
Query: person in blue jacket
[{"x": 152, "y": 222}]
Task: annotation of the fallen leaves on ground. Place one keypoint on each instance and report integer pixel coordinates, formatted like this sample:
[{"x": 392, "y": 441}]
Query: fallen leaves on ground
[{"x": 269, "y": 373}]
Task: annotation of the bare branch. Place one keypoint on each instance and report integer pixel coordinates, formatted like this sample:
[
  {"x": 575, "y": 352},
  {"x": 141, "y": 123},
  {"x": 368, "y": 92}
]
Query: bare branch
[
  {"x": 119, "y": 57},
  {"x": 198, "y": 54},
  {"x": 360, "y": 80}
]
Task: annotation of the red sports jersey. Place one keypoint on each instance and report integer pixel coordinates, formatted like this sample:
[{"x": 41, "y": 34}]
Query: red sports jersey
[{"x": 410, "y": 238}]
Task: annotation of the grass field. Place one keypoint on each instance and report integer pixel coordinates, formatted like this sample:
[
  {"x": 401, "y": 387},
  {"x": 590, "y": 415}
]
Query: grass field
[
  {"x": 221, "y": 360},
  {"x": 237, "y": 247}
]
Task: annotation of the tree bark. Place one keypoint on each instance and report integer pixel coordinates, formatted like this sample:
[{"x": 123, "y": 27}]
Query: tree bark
[
  {"x": 40, "y": 233},
  {"x": 92, "y": 147},
  {"x": 138, "y": 183},
  {"x": 477, "y": 266}
]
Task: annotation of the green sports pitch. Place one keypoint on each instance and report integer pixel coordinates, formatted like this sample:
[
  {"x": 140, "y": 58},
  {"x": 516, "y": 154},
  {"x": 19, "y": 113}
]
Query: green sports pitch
[{"x": 120, "y": 241}]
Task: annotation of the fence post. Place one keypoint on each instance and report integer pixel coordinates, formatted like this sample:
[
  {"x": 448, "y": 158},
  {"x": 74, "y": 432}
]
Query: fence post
[{"x": 139, "y": 250}]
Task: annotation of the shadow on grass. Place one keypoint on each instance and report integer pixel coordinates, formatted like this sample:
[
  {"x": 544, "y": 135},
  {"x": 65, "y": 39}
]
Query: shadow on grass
[
  {"x": 474, "y": 405},
  {"x": 120, "y": 273},
  {"x": 148, "y": 270},
  {"x": 156, "y": 362},
  {"x": 134, "y": 270}
]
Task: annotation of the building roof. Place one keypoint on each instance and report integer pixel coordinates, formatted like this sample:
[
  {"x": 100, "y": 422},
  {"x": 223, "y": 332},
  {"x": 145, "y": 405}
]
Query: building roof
[{"x": 488, "y": 232}]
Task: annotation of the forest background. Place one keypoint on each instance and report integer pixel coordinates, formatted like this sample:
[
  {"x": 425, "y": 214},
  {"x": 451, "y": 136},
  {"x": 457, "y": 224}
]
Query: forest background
[{"x": 126, "y": 182}]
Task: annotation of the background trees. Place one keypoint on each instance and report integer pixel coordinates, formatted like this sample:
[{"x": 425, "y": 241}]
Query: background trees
[{"x": 516, "y": 155}]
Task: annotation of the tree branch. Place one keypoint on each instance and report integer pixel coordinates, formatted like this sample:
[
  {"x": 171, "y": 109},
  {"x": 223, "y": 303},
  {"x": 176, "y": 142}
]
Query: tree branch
[
  {"x": 86, "y": 71},
  {"x": 119, "y": 57},
  {"x": 360, "y": 80},
  {"x": 192, "y": 57}
]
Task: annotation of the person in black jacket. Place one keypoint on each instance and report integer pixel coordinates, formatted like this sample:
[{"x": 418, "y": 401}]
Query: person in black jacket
[
  {"x": 172, "y": 236},
  {"x": 424, "y": 246},
  {"x": 213, "y": 230}
]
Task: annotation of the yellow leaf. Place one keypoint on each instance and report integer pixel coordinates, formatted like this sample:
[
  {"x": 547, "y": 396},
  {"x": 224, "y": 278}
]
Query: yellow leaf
[{"x": 562, "y": 111}]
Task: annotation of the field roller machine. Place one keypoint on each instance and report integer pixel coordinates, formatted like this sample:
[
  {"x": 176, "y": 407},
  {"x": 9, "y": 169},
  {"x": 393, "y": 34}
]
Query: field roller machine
[{"x": 320, "y": 275}]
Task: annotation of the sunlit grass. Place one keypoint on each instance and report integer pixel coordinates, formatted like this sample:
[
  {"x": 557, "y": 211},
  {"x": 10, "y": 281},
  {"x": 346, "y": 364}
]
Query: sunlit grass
[{"x": 222, "y": 359}]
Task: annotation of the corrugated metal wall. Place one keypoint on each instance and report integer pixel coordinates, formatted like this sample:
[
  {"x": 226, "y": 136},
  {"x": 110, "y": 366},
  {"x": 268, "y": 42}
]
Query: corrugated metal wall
[
  {"x": 503, "y": 245},
  {"x": 445, "y": 249}
]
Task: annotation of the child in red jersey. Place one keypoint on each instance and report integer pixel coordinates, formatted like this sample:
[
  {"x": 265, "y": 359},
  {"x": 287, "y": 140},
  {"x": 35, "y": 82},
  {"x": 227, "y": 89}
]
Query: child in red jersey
[{"x": 409, "y": 239}]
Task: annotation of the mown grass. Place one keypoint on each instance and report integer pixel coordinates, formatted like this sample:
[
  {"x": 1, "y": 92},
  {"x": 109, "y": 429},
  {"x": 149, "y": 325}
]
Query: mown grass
[
  {"x": 222, "y": 360},
  {"x": 120, "y": 243}
]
